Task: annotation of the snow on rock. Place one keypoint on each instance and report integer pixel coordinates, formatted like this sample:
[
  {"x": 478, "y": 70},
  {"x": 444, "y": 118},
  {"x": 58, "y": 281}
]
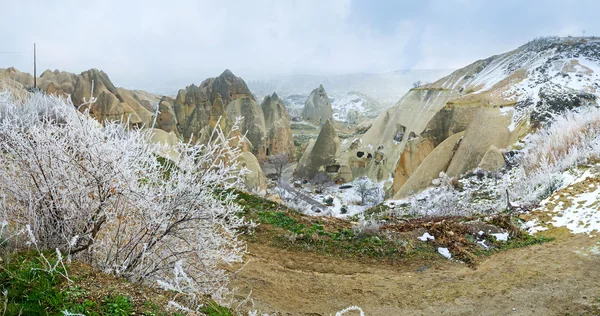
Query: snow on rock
[
  {"x": 445, "y": 252},
  {"x": 426, "y": 236},
  {"x": 501, "y": 236},
  {"x": 352, "y": 106}
]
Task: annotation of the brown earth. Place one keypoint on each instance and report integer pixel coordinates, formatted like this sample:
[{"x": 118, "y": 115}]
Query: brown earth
[{"x": 561, "y": 277}]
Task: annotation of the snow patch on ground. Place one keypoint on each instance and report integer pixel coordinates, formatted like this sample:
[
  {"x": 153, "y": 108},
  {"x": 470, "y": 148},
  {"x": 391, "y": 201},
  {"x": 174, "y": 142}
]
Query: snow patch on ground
[
  {"x": 426, "y": 237},
  {"x": 501, "y": 236},
  {"x": 445, "y": 252},
  {"x": 583, "y": 216}
]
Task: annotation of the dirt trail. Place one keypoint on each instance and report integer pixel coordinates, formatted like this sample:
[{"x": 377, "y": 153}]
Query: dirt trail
[{"x": 555, "y": 278}]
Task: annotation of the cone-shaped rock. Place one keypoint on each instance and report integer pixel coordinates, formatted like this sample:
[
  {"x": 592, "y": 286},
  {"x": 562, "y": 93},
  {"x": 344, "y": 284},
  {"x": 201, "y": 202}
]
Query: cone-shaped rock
[
  {"x": 317, "y": 109},
  {"x": 277, "y": 122},
  {"x": 320, "y": 153}
]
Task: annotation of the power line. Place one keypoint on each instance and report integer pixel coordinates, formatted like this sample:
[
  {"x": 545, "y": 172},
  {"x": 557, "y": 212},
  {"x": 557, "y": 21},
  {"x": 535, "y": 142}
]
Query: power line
[{"x": 15, "y": 52}]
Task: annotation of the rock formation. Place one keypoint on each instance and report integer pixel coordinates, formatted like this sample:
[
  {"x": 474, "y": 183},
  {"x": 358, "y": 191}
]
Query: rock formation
[
  {"x": 429, "y": 169},
  {"x": 317, "y": 109},
  {"x": 487, "y": 129},
  {"x": 320, "y": 154},
  {"x": 252, "y": 123},
  {"x": 228, "y": 86},
  {"x": 277, "y": 122},
  {"x": 255, "y": 181},
  {"x": 492, "y": 161},
  {"x": 15, "y": 75}
]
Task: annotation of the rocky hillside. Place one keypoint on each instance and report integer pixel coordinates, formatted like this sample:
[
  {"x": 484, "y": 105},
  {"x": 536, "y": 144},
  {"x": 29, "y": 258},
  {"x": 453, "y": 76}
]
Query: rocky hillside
[
  {"x": 461, "y": 121},
  {"x": 354, "y": 107}
]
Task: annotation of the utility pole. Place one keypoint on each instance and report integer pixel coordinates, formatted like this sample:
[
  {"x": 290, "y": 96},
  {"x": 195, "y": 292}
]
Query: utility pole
[{"x": 34, "y": 69}]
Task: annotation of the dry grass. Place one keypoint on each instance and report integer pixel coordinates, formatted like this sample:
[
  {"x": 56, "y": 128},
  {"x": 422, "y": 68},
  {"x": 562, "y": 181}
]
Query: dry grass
[{"x": 568, "y": 135}]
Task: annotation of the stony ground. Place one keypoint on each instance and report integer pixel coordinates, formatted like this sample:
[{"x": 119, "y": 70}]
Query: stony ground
[{"x": 561, "y": 277}]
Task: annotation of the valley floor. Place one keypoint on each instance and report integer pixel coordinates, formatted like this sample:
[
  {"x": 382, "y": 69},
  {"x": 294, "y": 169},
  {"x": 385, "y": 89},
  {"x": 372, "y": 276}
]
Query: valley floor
[{"x": 561, "y": 277}]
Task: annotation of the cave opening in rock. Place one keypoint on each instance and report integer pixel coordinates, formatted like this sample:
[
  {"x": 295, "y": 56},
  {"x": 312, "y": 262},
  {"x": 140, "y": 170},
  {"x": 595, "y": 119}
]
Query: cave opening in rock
[
  {"x": 332, "y": 168},
  {"x": 359, "y": 154}
]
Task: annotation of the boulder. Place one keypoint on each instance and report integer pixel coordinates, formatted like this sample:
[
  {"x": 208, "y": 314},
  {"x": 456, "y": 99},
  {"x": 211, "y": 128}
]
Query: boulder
[
  {"x": 320, "y": 154},
  {"x": 492, "y": 161},
  {"x": 430, "y": 168},
  {"x": 317, "y": 109},
  {"x": 166, "y": 119},
  {"x": 277, "y": 122}
]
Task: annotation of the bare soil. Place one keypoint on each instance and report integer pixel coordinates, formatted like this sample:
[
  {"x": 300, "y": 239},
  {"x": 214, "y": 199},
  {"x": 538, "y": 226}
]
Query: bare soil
[{"x": 561, "y": 277}]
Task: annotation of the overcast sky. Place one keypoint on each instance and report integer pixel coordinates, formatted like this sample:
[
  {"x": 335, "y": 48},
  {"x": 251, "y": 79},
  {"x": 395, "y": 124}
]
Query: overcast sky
[{"x": 149, "y": 41}]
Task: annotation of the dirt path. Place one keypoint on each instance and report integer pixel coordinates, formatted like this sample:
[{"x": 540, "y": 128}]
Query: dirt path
[{"x": 556, "y": 278}]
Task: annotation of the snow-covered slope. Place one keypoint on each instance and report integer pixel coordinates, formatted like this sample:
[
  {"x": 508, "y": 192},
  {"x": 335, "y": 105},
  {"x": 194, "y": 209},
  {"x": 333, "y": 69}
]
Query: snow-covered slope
[
  {"x": 354, "y": 107},
  {"x": 546, "y": 74},
  {"x": 511, "y": 92}
]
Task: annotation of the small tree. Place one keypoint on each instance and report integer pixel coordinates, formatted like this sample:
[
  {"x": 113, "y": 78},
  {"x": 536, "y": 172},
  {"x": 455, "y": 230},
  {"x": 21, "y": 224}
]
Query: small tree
[
  {"x": 278, "y": 163},
  {"x": 367, "y": 191},
  {"x": 321, "y": 180},
  {"x": 362, "y": 188},
  {"x": 417, "y": 83}
]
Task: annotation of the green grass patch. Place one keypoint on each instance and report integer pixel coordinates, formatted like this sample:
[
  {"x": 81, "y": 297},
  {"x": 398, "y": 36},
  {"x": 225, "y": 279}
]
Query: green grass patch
[
  {"x": 512, "y": 243},
  {"x": 214, "y": 309},
  {"x": 31, "y": 290},
  {"x": 288, "y": 229}
]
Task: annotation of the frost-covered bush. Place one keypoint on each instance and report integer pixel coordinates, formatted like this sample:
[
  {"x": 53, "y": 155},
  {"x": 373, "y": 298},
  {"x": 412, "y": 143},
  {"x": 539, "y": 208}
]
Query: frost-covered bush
[
  {"x": 567, "y": 140},
  {"x": 102, "y": 193},
  {"x": 367, "y": 227}
]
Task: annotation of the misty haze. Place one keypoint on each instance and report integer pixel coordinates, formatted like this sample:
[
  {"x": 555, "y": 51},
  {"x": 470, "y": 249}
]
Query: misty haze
[{"x": 343, "y": 157}]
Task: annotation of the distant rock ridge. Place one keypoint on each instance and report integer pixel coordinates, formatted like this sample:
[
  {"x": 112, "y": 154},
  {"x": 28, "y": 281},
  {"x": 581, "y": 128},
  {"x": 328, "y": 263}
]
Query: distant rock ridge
[{"x": 191, "y": 116}]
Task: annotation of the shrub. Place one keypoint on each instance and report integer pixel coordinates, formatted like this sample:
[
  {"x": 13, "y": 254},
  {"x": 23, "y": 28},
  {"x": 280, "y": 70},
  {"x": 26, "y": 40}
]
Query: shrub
[
  {"x": 567, "y": 140},
  {"x": 328, "y": 200},
  {"x": 344, "y": 209},
  {"x": 101, "y": 193}
]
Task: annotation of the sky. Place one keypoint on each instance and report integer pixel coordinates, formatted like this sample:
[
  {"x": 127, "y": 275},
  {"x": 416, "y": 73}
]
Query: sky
[{"x": 141, "y": 43}]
